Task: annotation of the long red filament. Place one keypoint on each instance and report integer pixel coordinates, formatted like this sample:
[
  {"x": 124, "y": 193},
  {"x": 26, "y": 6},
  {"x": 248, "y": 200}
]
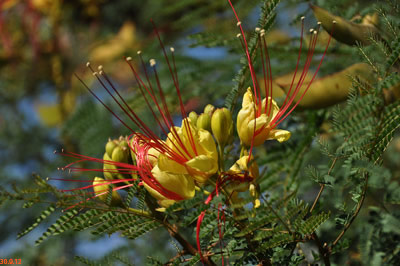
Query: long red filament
[{"x": 252, "y": 72}]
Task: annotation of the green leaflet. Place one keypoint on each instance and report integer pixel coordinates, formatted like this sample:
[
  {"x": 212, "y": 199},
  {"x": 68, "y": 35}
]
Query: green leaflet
[{"x": 46, "y": 213}]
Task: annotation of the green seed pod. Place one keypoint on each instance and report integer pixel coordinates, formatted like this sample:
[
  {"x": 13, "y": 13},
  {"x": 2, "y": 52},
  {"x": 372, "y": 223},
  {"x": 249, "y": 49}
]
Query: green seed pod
[
  {"x": 111, "y": 144},
  {"x": 209, "y": 109},
  {"x": 193, "y": 118},
  {"x": 222, "y": 126},
  {"x": 100, "y": 189},
  {"x": 204, "y": 121},
  {"x": 345, "y": 31}
]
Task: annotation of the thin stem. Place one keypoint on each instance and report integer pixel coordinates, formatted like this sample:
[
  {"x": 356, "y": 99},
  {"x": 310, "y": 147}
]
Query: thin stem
[
  {"x": 359, "y": 205},
  {"x": 139, "y": 212},
  {"x": 278, "y": 216},
  {"x": 322, "y": 249},
  {"x": 174, "y": 231},
  {"x": 322, "y": 186}
]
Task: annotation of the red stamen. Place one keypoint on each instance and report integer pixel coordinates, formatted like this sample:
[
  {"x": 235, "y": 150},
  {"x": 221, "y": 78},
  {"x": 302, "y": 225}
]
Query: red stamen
[{"x": 252, "y": 72}]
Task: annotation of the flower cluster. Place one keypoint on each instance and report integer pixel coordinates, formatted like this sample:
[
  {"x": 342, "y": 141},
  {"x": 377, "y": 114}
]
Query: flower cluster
[{"x": 192, "y": 154}]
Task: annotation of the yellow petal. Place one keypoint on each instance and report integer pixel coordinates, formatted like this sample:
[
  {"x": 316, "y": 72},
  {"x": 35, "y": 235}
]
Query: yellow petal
[
  {"x": 202, "y": 167},
  {"x": 279, "y": 134},
  {"x": 168, "y": 165},
  {"x": 207, "y": 142},
  {"x": 178, "y": 183},
  {"x": 248, "y": 99}
]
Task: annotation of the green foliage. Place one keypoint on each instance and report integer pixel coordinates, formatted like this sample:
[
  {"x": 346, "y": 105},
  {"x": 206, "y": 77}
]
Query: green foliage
[
  {"x": 349, "y": 153},
  {"x": 41, "y": 218},
  {"x": 265, "y": 22}
]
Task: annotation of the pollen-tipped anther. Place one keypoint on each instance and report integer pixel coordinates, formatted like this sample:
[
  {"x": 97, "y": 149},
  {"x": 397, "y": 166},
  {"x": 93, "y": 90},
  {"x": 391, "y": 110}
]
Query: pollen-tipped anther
[
  {"x": 139, "y": 52},
  {"x": 152, "y": 62},
  {"x": 238, "y": 35},
  {"x": 262, "y": 32},
  {"x": 303, "y": 17},
  {"x": 239, "y": 23},
  {"x": 172, "y": 49},
  {"x": 101, "y": 72},
  {"x": 62, "y": 150},
  {"x": 128, "y": 58},
  {"x": 258, "y": 29},
  {"x": 334, "y": 22},
  {"x": 311, "y": 30},
  {"x": 315, "y": 32},
  {"x": 88, "y": 64},
  {"x": 55, "y": 151},
  {"x": 95, "y": 73},
  {"x": 319, "y": 22},
  {"x": 100, "y": 67}
]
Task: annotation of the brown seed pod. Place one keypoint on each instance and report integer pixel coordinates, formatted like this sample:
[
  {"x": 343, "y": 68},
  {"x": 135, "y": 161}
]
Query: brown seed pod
[
  {"x": 330, "y": 89},
  {"x": 345, "y": 31}
]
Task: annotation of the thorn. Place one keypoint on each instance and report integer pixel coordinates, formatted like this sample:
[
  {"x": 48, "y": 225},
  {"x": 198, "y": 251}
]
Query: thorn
[
  {"x": 88, "y": 64},
  {"x": 139, "y": 52},
  {"x": 239, "y": 23},
  {"x": 172, "y": 49},
  {"x": 152, "y": 62}
]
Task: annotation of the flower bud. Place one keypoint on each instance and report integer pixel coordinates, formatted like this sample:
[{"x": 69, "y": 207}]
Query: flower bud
[
  {"x": 101, "y": 188},
  {"x": 222, "y": 126},
  {"x": 193, "y": 118},
  {"x": 120, "y": 154},
  {"x": 204, "y": 121},
  {"x": 111, "y": 144},
  {"x": 209, "y": 109}
]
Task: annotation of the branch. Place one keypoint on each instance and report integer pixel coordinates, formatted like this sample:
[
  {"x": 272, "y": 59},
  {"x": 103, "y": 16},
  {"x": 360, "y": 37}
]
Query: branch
[
  {"x": 359, "y": 205},
  {"x": 322, "y": 187},
  {"x": 174, "y": 231}
]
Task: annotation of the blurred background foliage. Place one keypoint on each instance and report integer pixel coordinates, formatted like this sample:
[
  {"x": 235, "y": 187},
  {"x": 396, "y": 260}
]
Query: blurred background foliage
[{"x": 44, "y": 107}]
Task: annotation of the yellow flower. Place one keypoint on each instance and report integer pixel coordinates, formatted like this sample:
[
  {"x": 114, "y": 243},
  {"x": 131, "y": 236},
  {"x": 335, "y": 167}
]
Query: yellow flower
[
  {"x": 255, "y": 125},
  {"x": 245, "y": 171},
  {"x": 181, "y": 184},
  {"x": 197, "y": 149}
]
